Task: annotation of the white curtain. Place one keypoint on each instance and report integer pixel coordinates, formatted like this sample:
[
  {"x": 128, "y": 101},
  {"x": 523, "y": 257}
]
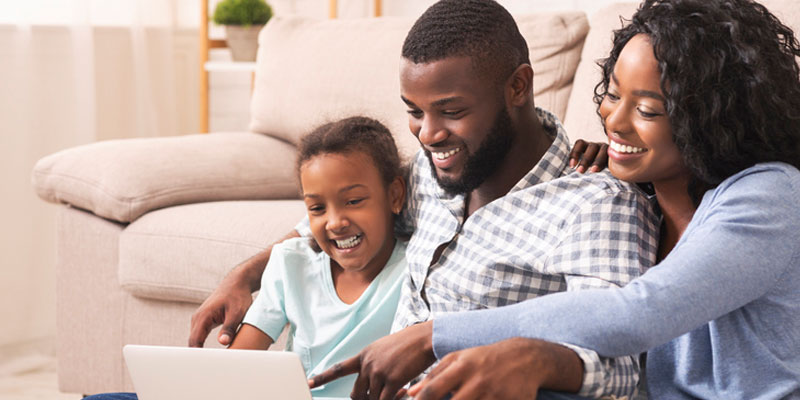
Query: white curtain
[{"x": 74, "y": 72}]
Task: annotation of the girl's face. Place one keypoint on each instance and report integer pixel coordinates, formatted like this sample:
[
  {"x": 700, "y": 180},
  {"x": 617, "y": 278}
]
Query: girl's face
[
  {"x": 350, "y": 209},
  {"x": 634, "y": 113}
]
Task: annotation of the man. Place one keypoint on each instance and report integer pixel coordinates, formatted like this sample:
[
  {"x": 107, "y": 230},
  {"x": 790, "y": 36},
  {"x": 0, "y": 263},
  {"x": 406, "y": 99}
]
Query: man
[{"x": 495, "y": 214}]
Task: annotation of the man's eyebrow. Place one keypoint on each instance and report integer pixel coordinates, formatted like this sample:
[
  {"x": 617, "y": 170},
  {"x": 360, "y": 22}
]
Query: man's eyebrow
[
  {"x": 437, "y": 103},
  {"x": 641, "y": 93},
  {"x": 446, "y": 100}
]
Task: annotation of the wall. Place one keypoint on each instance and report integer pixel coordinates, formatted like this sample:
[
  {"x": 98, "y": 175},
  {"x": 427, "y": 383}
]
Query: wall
[{"x": 40, "y": 115}]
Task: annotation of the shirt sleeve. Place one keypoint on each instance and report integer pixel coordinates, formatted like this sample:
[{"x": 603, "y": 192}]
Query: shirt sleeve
[
  {"x": 608, "y": 243},
  {"x": 268, "y": 313},
  {"x": 734, "y": 242}
]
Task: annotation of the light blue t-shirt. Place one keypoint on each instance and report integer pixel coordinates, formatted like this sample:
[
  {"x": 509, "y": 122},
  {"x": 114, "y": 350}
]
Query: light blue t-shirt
[{"x": 297, "y": 288}]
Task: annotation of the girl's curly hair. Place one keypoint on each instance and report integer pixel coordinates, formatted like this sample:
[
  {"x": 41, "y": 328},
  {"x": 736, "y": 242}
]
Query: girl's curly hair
[{"x": 730, "y": 79}]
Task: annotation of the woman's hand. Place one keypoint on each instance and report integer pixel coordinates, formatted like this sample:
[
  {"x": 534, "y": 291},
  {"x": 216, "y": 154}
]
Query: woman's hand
[{"x": 589, "y": 156}]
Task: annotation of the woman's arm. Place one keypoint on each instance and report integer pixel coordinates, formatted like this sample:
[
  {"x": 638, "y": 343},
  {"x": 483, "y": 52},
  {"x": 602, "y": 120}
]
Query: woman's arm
[
  {"x": 741, "y": 242},
  {"x": 251, "y": 338}
]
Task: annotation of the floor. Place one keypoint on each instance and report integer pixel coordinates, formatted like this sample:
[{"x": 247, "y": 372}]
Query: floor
[{"x": 30, "y": 377}]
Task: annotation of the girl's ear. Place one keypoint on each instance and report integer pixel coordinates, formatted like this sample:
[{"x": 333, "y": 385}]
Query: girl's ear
[{"x": 397, "y": 194}]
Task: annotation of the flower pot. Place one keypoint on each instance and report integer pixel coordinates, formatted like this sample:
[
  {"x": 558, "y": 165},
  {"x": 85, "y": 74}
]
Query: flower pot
[{"x": 243, "y": 41}]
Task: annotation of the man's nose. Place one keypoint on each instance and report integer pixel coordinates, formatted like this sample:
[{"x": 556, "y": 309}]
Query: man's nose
[{"x": 431, "y": 132}]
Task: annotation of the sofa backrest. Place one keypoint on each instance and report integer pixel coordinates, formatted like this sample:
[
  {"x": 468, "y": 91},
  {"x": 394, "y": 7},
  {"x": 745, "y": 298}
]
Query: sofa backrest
[{"x": 313, "y": 71}]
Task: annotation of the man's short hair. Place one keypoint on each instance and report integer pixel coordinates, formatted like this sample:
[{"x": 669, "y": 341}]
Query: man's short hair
[{"x": 480, "y": 29}]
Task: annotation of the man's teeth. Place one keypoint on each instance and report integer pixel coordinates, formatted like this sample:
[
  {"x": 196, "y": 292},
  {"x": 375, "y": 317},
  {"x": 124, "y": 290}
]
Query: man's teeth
[
  {"x": 621, "y": 148},
  {"x": 443, "y": 155},
  {"x": 349, "y": 242}
]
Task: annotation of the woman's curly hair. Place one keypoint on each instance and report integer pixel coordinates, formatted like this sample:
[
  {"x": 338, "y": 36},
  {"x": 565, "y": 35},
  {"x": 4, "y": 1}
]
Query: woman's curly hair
[{"x": 730, "y": 79}]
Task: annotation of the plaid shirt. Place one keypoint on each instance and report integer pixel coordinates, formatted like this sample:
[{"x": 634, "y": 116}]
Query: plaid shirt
[{"x": 554, "y": 231}]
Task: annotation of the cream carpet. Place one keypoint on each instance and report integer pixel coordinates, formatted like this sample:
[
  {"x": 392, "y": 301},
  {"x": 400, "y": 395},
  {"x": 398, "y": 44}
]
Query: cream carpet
[{"x": 30, "y": 377}]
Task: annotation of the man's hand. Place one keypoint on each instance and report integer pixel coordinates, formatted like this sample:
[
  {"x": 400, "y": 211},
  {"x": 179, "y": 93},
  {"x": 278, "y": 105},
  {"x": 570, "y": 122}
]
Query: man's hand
[
  {"x": 227, "y": 305},
  {"x": 229, "y": 302},
  {"x": 588, "y": 155},
  {"x": 386, "y": 365},
  {"x": 512, "y": 369}
]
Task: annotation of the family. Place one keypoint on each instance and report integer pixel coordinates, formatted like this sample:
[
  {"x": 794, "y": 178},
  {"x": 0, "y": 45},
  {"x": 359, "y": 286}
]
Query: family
[{"x": 490, "y": 268}]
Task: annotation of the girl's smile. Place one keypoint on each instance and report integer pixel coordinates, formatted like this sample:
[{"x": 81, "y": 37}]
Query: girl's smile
[{"x": 350, "y": 210}]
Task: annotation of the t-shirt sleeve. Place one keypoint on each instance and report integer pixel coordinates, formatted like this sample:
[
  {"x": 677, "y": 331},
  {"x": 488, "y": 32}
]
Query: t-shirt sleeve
[
  {"x": 303, "y": 227},
  {"x": 268, "y": 312}
]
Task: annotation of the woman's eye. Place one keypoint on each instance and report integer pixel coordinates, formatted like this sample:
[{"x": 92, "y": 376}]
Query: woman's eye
[
  {"x": 647, "y": 114},
  {"x": 612, "y": 96}
]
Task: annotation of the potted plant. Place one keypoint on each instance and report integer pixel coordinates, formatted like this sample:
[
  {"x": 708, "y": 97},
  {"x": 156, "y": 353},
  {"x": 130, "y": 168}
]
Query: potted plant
[{"x": 243, "y": 19}]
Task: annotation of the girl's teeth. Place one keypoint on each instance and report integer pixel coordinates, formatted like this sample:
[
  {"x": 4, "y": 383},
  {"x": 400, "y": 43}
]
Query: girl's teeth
[
  {"x": 443, "y": 155},
  {"x": 621, "y": 148},
  {"x": 349, "y": 242}
]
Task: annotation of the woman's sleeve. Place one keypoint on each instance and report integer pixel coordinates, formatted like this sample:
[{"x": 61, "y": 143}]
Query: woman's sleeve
[{"x": 741, "y": 243}]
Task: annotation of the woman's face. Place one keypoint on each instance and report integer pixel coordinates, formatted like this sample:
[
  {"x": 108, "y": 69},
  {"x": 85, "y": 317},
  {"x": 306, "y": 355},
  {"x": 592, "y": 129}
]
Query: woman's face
[{"x": 641, "y": 148}]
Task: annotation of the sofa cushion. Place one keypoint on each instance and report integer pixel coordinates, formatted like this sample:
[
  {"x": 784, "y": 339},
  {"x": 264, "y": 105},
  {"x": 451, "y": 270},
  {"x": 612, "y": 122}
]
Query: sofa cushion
[
  {"x": 123, "y": 179},
  {"x": 182, "y": 253},
  {"x": 312, "y": 71}
]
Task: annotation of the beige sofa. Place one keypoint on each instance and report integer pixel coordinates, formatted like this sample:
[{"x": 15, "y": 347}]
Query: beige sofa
[{"x": 147, "y": 228}]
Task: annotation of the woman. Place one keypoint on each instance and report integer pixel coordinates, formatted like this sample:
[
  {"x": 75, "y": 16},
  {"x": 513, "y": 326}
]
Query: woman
[{"x": 700, "y": 98}]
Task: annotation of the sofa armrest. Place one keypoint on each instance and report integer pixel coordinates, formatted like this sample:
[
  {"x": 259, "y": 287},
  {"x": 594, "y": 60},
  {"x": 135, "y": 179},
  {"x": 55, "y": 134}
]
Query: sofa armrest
[{"x": 123, "y": 179}]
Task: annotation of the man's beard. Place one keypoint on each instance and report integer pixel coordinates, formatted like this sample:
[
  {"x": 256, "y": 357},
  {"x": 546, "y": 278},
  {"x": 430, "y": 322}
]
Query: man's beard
[{"x": 484, "y": 162}]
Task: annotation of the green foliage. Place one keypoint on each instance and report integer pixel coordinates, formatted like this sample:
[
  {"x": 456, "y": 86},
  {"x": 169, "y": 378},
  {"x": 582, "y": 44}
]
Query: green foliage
[{"x": 242, "y": 12}]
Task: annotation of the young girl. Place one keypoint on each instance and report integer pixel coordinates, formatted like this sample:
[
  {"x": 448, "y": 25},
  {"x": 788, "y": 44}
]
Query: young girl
[{"x": 343, "y": 297}]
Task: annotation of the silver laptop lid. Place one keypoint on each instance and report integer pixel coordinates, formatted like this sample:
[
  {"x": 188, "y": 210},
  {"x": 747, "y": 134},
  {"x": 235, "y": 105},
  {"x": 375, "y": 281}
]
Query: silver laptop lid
[{"x": 170, "y": 373}]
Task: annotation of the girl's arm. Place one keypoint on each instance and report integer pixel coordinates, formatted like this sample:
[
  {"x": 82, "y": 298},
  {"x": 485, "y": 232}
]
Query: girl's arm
[{"x": 251, "y": 338}]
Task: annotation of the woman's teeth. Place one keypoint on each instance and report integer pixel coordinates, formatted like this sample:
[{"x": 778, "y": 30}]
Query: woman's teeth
[
  {"x": 443, "y": 155},
  {"x": 349, "y": 242},
  {"x": 621, "y": 148}
]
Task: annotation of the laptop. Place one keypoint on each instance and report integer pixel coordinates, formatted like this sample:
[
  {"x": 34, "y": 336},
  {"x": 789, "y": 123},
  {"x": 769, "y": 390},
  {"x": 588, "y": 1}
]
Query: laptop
[{"x": 169, "y": 373}]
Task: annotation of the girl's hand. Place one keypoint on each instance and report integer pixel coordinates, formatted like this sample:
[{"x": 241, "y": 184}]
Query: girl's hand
[{"x": 588, "y": 155}]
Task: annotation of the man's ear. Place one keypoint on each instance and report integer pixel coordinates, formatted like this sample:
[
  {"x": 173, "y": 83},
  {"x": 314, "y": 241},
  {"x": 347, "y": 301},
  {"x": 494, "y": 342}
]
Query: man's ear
[
  {"x": 520, "y": 86},
  {"x": 397, "y": 194}
]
